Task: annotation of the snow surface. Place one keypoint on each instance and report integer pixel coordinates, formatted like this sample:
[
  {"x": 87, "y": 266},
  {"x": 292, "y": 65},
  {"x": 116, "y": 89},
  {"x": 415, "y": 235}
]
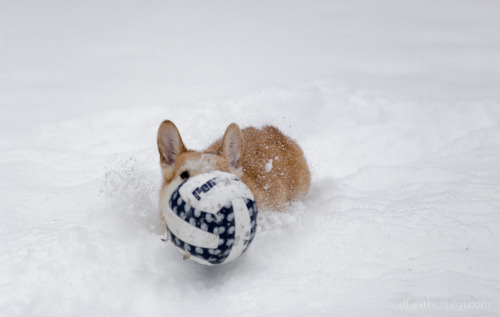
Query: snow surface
[{"x": 395, "y": 103}]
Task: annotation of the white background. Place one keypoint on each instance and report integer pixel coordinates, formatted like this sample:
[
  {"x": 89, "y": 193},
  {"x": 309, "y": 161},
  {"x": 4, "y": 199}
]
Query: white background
[{"x": 395, "y": 103}]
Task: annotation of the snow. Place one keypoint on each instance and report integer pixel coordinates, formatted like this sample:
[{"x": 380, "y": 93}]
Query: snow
[
  {"x": 269, "y": 165},
  {"x": 395, "y": 104}
]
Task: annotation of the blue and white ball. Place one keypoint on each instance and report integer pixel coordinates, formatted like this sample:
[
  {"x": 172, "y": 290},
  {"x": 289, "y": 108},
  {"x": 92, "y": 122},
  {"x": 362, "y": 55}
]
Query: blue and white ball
[{"x": 212, "y": 217}]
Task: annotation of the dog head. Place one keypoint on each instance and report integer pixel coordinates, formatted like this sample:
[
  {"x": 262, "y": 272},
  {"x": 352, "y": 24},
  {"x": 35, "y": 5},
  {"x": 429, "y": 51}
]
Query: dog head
[{"x": 179, "y": 164}]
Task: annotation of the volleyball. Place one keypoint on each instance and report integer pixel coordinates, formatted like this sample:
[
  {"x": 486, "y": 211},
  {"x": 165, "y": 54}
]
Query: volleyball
[{"x": 212, "y": 218}]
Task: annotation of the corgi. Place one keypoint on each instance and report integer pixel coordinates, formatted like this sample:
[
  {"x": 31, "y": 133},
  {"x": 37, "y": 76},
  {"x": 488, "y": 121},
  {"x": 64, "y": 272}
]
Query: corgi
[{"x": 271, "y": 164}]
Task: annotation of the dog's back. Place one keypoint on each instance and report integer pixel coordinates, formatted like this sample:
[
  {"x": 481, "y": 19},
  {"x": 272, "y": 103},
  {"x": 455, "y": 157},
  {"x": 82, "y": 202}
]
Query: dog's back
[{"x": 272, "y": 165}]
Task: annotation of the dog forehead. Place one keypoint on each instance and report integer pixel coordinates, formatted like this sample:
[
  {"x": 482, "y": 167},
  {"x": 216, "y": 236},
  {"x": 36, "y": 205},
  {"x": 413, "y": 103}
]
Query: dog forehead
[{"x": 202, "y": 163}]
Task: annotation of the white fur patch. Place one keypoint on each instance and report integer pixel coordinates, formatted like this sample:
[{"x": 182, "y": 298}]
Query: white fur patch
[
  {"x": 236, "y": 171},
  {"x": 206, "y": 163}
]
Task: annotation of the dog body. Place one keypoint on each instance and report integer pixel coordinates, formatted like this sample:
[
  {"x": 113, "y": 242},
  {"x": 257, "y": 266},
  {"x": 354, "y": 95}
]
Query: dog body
[{"x": 271, "y": 164}]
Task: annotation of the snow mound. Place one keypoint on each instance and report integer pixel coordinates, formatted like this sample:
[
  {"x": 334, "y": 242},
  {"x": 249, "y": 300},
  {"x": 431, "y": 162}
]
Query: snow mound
[{"x": 424, "y": 225}]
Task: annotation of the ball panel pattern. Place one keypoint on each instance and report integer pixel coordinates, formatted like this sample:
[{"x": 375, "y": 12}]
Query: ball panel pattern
[
  {"x": 252, "y": 211},
  {"x": 210, "y": 191},
  {"x": 221, "y": 224}
]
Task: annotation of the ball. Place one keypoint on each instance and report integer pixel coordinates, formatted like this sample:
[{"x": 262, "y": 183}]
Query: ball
[{"x": 211, "y": 218}]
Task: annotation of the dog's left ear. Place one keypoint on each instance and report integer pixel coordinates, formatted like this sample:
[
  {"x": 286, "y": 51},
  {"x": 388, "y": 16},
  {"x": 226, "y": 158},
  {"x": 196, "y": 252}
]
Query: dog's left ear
[
  {"x": 232, "y": 145},
  {"x": 170, "y": 143}
]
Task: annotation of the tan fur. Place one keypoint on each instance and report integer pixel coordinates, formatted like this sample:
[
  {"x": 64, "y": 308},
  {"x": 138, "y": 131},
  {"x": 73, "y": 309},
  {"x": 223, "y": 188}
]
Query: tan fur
[{"x": 246, "y": 153}]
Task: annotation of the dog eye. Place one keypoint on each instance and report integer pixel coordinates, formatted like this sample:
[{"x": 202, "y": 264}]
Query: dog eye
[{"x": 185, "y": 175}]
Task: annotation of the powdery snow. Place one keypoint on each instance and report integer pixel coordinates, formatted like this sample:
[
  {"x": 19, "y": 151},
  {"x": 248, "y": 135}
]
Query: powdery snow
[
  {"x": 269, "y": 165},
  {"x": 395, "y": 105}
]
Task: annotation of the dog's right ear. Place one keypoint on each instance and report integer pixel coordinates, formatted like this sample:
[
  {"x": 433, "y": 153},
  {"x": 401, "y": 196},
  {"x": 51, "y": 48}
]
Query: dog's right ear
[
  {"x": 170, "y": 144},
  {"x": 232, "y": 145}
]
